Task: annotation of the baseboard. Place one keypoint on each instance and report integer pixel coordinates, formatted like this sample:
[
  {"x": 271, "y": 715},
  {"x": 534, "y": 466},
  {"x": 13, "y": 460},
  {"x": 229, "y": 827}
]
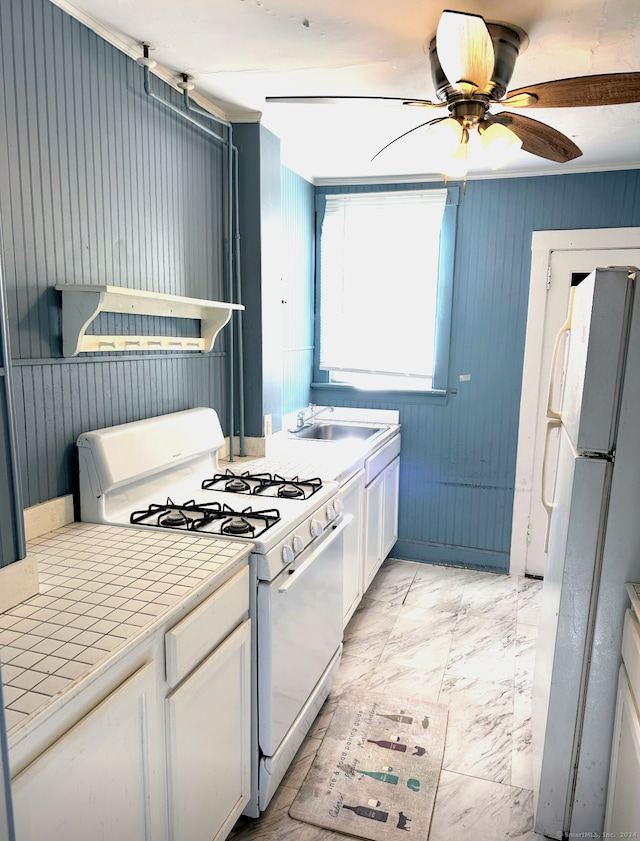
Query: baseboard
[
  {"x": 253, "y": 447},
  {"x": 18, "y": 582},
  {"x": 48, "y": 516},
  {"x": 457, "y": 556}
]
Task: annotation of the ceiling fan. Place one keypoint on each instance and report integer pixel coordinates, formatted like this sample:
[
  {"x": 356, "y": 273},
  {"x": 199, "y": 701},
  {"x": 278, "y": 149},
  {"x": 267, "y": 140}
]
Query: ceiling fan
[{"x": 472, "y": 62}]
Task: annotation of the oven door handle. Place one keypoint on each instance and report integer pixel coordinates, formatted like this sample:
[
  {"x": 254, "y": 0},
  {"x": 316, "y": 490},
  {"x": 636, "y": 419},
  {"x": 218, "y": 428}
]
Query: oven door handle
[{"x": 304, "y": 566}]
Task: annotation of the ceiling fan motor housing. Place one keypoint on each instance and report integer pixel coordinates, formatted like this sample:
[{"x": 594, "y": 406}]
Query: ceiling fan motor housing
[{"x": 508, "y": 41}]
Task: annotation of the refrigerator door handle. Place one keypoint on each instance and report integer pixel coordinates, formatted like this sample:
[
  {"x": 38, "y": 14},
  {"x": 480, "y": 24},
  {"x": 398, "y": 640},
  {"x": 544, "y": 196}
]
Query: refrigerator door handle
[
  {"x": 551, "y": 412},
  {"x": 548, "y": 506}
]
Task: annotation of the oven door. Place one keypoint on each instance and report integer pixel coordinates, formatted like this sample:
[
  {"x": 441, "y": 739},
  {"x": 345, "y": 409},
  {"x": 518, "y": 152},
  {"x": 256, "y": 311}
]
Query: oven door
[{"x": 299, "y": 631}]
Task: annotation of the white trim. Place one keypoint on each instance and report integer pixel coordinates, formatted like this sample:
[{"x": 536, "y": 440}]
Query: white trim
[
  {"x": 543, "y": 243},
  {"x": 479, "y": 176},
  {"x": 133, "y": 49},
  {"x": 48, "y": 516}
]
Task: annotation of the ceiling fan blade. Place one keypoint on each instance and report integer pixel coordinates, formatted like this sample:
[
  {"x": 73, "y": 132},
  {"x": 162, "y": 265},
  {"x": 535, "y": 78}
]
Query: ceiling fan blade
[
  {"x": 538, "y": 138},
  {"x": 583, "y": 91},
  {"x": 415, "y": 128},
  {"x": 337, "y": 100},
  {"x": 465, "y": 49}
]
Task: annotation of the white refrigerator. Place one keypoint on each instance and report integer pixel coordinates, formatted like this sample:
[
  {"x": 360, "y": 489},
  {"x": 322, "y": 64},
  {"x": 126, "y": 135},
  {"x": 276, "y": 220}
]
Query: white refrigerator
[{"x": 593, "y": 550}]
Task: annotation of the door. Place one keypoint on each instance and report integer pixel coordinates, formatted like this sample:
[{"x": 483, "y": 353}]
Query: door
[
  {"x": 557, "y": 255},
  {"x": 374, "y": 501},
  {"x": 209, "y": 724},
  {"x": 579, "y": 505},
  {"x": 104, "y": 778},
  {"x": 623, "y": 805},
  {"x": 390, "y": 506},
  {"x": 299, "y": 631},
  {"x": 353, "y": 499}
]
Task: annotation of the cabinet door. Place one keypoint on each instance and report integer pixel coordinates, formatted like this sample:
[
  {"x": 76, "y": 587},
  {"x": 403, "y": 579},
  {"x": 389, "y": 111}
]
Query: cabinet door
[
  {"x": 623, "y": 806},
  {"x": 353, "y": 498},
  {"x": 102, "y": 780},
  {"x": 208, "y": 721},
  {"x": 374, "y": 498},
  {"x": 390, "y": 512}
]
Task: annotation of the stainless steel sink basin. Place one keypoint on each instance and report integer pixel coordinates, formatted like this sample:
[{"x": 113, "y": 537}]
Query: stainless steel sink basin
[{"x": 336, "y": 432}]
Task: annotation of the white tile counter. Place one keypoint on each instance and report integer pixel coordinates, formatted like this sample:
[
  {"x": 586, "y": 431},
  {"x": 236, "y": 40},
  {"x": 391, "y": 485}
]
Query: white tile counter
[{"x": 101, "y": 587}]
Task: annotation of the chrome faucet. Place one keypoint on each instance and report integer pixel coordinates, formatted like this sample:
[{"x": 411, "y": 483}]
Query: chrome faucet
[{"x": 306, "y": 416}]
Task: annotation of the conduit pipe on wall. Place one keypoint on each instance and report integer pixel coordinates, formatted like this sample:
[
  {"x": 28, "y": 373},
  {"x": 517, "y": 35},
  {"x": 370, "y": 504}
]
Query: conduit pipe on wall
[{"x": 230, "y": 217}]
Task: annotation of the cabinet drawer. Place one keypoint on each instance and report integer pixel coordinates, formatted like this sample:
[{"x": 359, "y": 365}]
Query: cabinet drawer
[
  {"x": 379, "y": 460},
  {"x": 631, "y": 652},
  {"x": 189, "y": 642}
]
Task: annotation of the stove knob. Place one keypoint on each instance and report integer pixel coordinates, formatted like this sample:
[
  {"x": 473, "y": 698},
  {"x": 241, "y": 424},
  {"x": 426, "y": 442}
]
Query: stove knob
[
  {"x": 338, "y": 504},
  {"x": 315, "y": 528},
  {"x": 298, "y": 544},
  {"x": 330, "y": 513},
  {"x": 287, "y": 554}
]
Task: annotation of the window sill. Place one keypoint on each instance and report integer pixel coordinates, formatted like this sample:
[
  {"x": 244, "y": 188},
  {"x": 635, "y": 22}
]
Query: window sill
[{"x": 432, "y": 397}]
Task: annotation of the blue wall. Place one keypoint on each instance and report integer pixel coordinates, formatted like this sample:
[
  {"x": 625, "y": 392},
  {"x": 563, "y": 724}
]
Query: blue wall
[
  {"x": 458, "y": 459},
  {"x": 98, "y": 184},
  {"x": 297, "y": 289}
]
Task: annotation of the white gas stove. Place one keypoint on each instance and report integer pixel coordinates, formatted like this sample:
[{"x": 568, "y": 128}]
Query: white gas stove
[{"x": 163, "y": 472}]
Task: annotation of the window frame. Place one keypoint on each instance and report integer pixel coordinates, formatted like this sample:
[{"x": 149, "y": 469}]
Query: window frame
[{"x": 446, "y": 264}]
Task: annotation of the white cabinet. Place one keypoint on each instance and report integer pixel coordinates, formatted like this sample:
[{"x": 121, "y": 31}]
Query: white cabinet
[
  {"x": 104, "y": 778},
  {"x": 374, "y": 498},
  {"x": 352, "y": 495},
  {"x": 622, "y": 818},
  {"x": 208, "y": 736},
  {"x": 381, "y": 519},
  {"x": 390, "y": 506},
  {"x": 166, "y": 754}
]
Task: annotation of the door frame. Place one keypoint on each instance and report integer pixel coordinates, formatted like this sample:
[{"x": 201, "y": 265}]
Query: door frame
[{"x": 543, "y": 243}]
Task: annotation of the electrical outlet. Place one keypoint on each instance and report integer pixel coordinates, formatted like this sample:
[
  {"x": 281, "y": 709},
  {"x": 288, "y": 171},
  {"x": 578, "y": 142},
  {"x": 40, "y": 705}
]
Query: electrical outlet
[{"x": 268, "y": 428}]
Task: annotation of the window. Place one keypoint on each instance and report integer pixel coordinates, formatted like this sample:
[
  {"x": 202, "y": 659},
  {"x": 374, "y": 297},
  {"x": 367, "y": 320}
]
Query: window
[{"x": 384, "y": 288}]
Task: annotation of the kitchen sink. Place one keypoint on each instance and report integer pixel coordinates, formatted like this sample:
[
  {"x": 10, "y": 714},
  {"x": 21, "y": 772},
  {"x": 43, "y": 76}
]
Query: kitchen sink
[{"x": 336, "y": 432}]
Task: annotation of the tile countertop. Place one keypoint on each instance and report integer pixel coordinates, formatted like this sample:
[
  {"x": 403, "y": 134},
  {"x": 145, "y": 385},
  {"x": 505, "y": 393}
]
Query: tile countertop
[{"x": 100, "y": 588}]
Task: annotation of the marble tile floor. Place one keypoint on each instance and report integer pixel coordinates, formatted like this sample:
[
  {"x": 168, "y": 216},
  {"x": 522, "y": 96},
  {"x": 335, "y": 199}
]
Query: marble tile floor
[{"x": 467, "y": 639}]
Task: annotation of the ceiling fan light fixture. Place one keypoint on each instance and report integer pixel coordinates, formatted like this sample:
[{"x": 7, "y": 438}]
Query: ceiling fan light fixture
[
  {"x": 457, "y": 164},
  {"x": 465, "y": 49},
  {"x": 445, "y": 136},
  {"x": 499, "y": 144}
]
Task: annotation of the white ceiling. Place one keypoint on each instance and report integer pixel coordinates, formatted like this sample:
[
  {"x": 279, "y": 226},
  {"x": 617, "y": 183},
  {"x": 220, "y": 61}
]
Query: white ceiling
[{"x": 239, "y": 51}]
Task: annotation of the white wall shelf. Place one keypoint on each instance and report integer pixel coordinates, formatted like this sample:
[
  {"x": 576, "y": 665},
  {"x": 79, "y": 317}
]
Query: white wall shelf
[{"x": 82, "y": 303}]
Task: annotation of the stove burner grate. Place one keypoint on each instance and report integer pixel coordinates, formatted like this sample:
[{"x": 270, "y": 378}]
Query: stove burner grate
[
  {"x": 263, "y": 484},
  {"x": 209, "y": 517},
  {"x": 236, "y": 525}
]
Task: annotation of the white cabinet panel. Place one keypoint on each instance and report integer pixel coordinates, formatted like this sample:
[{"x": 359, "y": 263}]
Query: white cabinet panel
[
  {"x": 188, "y": 642},
  {"x": 623, "y": 804},
  {"x": 390, "y": 510},
  {"x": 104, "y": 779},
  {"x": 374, "y": 496},
  {"x": 381, "y": 519},
  {"x": 353, "y": 498},
  {"x": 208, "y": 723}
]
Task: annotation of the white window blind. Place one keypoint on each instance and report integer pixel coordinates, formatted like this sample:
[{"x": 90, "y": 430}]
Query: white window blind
[{"x": 379, "y": 257}]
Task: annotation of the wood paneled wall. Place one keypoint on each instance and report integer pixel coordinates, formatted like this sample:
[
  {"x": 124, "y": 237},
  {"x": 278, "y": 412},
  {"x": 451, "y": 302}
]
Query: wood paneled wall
[
  {"x": 98, "y": 184},
  {"x": 458, "y": 457}
]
